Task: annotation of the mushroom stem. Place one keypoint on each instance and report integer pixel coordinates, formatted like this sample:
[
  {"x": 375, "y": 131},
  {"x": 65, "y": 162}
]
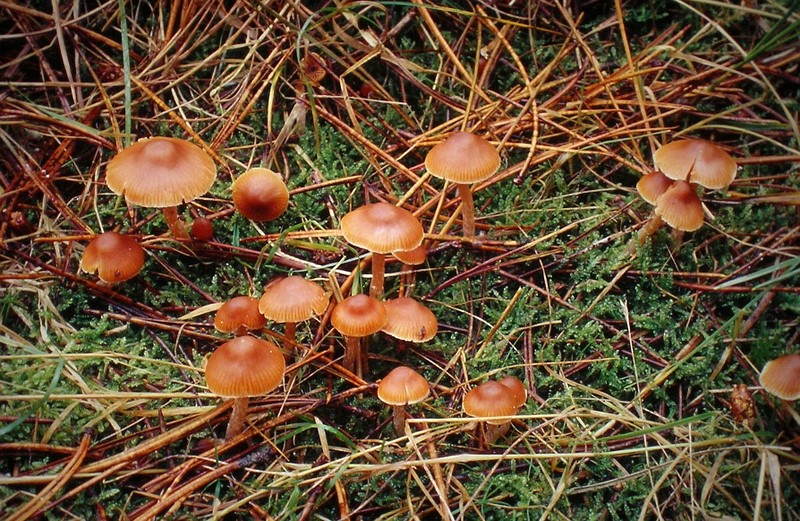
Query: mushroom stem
[
  {"x": 238, "y": 415},
  {"x": 467, "y": 210},
  {"x": 290, "y": 332},
  {"x": 650, "y": 227},
  {"x": 378, "y": 270},
  {"x": 352, "y": 355},
  {"x": 493, "y": 432},
  {"x": 399, "y": 418},
  {"x": 176, "y": 225}
]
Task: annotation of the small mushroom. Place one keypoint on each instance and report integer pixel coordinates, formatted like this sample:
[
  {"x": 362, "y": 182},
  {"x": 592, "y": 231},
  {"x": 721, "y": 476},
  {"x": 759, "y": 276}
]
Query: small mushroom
[
  {"x": 239, "y": 315},
  {"x": 409, "y": 320},
  {"x": 696, "y": 161},
  {"x": 410, "y": 258},
  {"x": 241, "y": 368},
  {"x": 162, "y": 172},
  {"x": 260, "y": 195},
  {"x": 464, "y": 158},
  {"x": 680, "y": 207},
  {"x": 114, "y": 256},
  {"x": 488, "y": 400},
  {"x": 356, "y": 317},
  {"x": 381, "y": 228},
  {"x": 781, "y": 377},
  {"x": 402, "y": 386},
  {"x": 290, "y": 300}
]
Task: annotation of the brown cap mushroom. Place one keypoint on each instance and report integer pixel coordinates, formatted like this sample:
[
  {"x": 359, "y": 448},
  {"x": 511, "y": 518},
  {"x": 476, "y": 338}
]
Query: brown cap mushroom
[
  {"x": 291, "y": 300},
  {"x": 781, "y": 377},
  {"x": 696, "y": 161},
  {"x": 240, "y": 368},
  {"x": 162, "y": 172},
  {"x": 260, "y": 195},
  {"x": 355, "y": 317},
  {"x": 680, "y": 207},
  {"x": 381, "y": 228},
  {"x": 409, "y": 320},
  {"x": 464, "y": 158},
  {"x": 238, "y": 315},
  {"x": 492, "y": 399},
  {"x": 115, "y": 257},
  {"x": 401, "y": 387},
  {"x": 652, "y": 185}
]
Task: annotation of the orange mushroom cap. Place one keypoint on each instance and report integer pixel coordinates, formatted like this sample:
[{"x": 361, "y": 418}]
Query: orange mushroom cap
[
  {"x": 358, "y": 316},
  {"x": 409, "y": 320},
  {"x": 403, "y": 386},
  {"x": 382, "y": 228},
  {"x": 463, "y": 158},
  {"x": 115, "y": 257},
  {"x": 696, "y": 161},
  {"x": 237, "y": 312},
  {"x": 245, "y": 366},
  {"x": 292, "y": 299},
  {"x": 260, "y": 195},
  {"x": 680, "y": 207},
  {"x": 161, "y": 172},
  {"x": 490, "y": 399},
  {"x": 781, "y": 377},
  {"x": 652, "y": 185}
]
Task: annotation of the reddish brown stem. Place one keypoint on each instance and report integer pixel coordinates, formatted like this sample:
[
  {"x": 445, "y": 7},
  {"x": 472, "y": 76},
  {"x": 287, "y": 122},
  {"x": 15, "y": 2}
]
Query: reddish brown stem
[
  {"x": 467, "y": 210},
  {"x": 238, "y": 415}
]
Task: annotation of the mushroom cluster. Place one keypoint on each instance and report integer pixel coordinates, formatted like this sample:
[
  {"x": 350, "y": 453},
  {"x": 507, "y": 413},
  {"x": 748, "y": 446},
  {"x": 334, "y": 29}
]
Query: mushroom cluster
[{"x": 682, "y": 167}]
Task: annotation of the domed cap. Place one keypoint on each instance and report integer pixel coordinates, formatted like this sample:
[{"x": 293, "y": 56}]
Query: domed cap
[
  {"x": 238, "y": 312},
  {"x": 292, "y": 299},
  {"x": 652, "y": 185},
  {"x": 245, "y": 366},
  {"x": 463, "y": 158},
  {"x": 491, "y": 399},
  {"x": 358, "y": 316},
  {"x": 781, "y": 377},
  {"x": 680, "y": 207},
  {"x": 403, "y": 386},
  {"x": 696, "y": 161},
  {"x": 382, "y": 228},
  {"x": 260, "y": 195},
  {"x": 161, "y": 172},
  {"x": 409, "y": 320},
  {"x": 115, "y": 257}
]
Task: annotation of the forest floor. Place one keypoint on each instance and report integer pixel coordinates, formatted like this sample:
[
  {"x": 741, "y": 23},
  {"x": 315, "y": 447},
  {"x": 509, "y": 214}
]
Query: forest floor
[{"x": 629, "y": 358}]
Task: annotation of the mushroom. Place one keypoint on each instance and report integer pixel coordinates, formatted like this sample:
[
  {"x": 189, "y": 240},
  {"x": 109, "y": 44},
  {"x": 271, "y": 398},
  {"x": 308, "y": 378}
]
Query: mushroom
[
  {"x": 409, "y": 258},
  {"x": 409, "y": 320},
  {"x": 290, "y": 300},
  {"x": 260, "y": 195},
  {"x": 681, "y": 166},
  {"x": 202, "y": 229},
  {"x": 680, "y": 207},
  {"x": 492, "y": 399},
  {"x": 162, "y": 172},
  {"x": 464, "y": 158},
  {"x": 381, "y": 228},
  {"x": 402, "y": 386},
  {"x": 239, "y": 315},
  {"x": 696, "y": 161},
  {"x": 241, "y": 368},
  {"x": 781, "y": 377},
  {"x": 115, "y": 257},
  {"x": 356, "y": 317}
]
